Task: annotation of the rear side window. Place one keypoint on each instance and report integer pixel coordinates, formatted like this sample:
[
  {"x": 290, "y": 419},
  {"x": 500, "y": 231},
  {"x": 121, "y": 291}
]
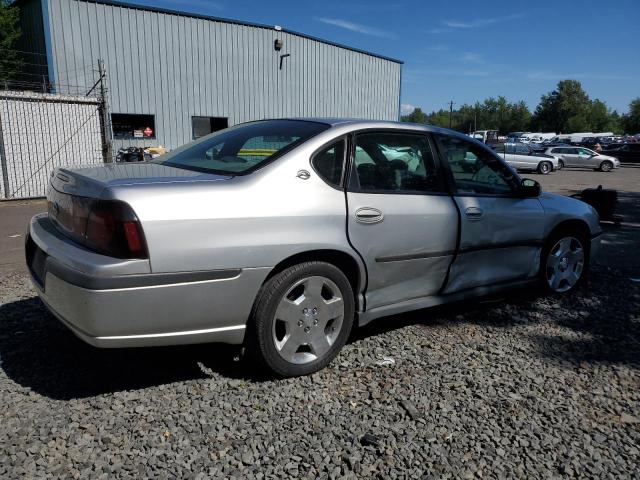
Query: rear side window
[
  {"x": 243, "y": 148},
  {"x": 329, "y": 163},
  {"x": 395, "y": 162}
]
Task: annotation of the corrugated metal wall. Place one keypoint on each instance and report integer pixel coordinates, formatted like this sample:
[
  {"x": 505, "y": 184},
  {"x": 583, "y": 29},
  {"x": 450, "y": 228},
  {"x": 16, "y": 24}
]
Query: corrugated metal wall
[{"x": 174, "y": 67}]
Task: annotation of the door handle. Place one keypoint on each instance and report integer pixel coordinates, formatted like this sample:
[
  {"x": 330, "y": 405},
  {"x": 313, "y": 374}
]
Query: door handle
[
  {"x": 368, "y": 215},
  {"x": 474, "y": 213}
]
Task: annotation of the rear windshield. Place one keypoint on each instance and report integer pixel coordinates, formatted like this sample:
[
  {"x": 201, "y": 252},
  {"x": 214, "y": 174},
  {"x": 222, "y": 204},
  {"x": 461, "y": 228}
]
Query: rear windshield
[{"x": 243, "y": 148}]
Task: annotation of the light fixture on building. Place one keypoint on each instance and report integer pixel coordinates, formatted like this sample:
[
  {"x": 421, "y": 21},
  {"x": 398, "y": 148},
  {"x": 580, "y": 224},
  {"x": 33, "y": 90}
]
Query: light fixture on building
[{"x": 277, "y": 44}]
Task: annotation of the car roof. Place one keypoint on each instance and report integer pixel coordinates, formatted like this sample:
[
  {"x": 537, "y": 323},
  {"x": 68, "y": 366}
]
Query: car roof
[{"x": 363, "y": 123}]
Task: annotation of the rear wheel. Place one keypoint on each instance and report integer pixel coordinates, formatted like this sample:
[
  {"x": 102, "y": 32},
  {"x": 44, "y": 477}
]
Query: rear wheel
[
  {"x": 544, "y": 168},
  {"x": 302, "y": 318},
  {"x": 560, "y": 164},
  {"x": 564, "y": 261},
  {"x": 606, "y": 166}
]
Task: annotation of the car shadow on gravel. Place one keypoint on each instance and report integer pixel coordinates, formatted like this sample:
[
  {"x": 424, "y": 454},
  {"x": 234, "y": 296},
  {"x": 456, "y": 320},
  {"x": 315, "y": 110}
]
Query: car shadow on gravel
[
  {"x": 39, "y": 353},
  {"x": 601, "y": 318}
]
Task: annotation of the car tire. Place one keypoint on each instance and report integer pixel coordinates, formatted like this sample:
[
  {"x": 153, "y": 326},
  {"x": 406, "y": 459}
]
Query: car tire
[
  {"x": 606, "y": 166},
  {"x": 544, "y": 168},
  {"x": 564, "y": 261},
  {"x": 301, "y": 319},
  {"x": 560, "y": 164}
]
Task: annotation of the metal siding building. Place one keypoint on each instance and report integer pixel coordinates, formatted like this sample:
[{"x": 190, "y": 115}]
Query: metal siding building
[{"x": 175, "y": 66}]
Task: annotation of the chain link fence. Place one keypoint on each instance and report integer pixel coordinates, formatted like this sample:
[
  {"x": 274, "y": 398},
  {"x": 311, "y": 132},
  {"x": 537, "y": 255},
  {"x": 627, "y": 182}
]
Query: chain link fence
[{"x": 44, "y": 126}]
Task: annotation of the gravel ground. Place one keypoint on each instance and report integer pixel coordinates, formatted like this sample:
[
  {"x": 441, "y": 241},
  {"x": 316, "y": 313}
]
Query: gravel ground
[{"x": 524, "y": 387}]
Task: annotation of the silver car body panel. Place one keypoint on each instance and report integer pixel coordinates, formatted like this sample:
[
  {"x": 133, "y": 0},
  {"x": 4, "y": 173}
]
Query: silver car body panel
[
  {"x": 214, "y": 239},
  {"x": 527, "y": 162},
  {"x": 500, "y": 240},
  {"x": 407, "y": 252}
]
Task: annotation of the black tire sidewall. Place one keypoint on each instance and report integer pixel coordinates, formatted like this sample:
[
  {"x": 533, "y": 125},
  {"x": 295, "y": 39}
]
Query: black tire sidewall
[
  {"x": 542, "y": 166},
  {"x": 264, "y": 316}
]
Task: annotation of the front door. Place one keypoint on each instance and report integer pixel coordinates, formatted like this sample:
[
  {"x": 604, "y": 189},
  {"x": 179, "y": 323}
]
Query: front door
[
  {"x": 571, "y": 157},
  {"x": 400, "y": 219},
  {"x": 501, "y": 234},
  {"x": 588, "y": 159}
]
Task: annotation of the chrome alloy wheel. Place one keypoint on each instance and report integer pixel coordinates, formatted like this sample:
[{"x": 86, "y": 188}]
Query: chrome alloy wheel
[
  {"x": 565, "y": 263},
  {"x": 308, "y": 320}
]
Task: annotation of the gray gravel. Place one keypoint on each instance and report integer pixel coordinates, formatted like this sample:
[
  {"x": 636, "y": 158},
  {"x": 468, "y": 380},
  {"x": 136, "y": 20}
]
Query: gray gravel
[{"x": 529, "y": 387}]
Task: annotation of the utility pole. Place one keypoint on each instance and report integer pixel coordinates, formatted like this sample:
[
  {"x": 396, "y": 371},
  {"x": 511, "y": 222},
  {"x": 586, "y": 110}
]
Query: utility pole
[
  {"x": 107, "y": 154},
  {"x": 450, "y": 112}
]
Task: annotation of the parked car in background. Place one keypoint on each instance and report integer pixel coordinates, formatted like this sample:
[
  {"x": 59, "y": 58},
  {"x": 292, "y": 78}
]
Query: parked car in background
[
  {"x": 488, "y": 137},
  {"x": 626, "y": 153},
  {"x": 286, "y": 252},
  {"x": 583, "y": 157},
  {"x": 524, "y": 158}
]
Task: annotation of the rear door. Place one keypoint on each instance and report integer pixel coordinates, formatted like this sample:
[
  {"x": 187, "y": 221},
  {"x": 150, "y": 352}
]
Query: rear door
[
  {"x": 632, "y": 153},
  {"x": 400, "y": 218},
  {"x": 500, "y": 233}
]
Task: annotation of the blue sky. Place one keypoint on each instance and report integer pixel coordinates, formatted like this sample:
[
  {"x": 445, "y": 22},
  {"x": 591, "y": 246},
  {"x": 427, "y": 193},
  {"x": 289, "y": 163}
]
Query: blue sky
[{"x": 468, "y": 50}]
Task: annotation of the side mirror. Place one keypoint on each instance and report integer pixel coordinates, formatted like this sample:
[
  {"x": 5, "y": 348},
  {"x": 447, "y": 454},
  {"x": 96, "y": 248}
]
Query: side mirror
[{"x": 529, "y": 188}]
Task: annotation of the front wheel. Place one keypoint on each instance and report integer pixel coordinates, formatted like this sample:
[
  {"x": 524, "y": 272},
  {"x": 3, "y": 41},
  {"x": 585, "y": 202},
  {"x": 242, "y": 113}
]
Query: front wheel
[
  {"x": 560, "y": 164},
  {"x": 606, "y": 166},
  {"x": 564, "y": 262},
  {"x": 544, "y": 168},
  {"x": 301, "y": 319}
]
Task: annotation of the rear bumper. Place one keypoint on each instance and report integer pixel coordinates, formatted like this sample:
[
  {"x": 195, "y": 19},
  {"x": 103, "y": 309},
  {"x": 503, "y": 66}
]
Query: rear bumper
[{"x": 148, "y": 309}]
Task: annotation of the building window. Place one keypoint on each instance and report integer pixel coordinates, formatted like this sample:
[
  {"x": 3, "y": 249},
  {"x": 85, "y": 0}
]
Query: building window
[
  {"x": 130, "y": 126},
  {"x": 202, "y": 126}
]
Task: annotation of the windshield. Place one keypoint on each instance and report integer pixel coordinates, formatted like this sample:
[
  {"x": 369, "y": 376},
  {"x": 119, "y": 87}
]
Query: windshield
[{"x": 243, "y": 148}]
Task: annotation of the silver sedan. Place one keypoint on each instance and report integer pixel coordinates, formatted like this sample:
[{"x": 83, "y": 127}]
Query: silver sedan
[
  {"x": 583, "y": 157},
  {"x": 283, "y": 235}
]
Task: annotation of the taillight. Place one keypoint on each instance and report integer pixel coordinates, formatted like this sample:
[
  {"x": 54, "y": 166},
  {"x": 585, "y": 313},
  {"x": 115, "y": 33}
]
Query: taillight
[
  {"x": 114, "y": 229},
  {"x": 106, "y": 226},
  {"x": 133, "y": 235}
]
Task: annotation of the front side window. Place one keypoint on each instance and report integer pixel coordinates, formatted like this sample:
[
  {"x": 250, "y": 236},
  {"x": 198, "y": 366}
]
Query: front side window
[
  {"x": 329, "y": 163},
  {"x": 476, "y": 171},
  {"x": 242, "y": 148},
  {"x": 587, "y": 152},
  {"x": 400, "y": 162}
]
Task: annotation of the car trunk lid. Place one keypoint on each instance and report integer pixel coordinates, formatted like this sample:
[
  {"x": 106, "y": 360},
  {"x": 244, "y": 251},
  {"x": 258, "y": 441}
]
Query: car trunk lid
[
  {"x": 91, "y": 181},
  {"x": 78, "y": 209}
]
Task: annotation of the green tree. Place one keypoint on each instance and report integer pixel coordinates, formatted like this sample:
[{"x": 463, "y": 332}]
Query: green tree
[
  {"x": 417, "y": 116},
  {"x": 631, "y": 120},
  {"x": 439, "y": 118},
  {"x": 10, "y": 61},
  {"x": 564, "y": 110}
]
